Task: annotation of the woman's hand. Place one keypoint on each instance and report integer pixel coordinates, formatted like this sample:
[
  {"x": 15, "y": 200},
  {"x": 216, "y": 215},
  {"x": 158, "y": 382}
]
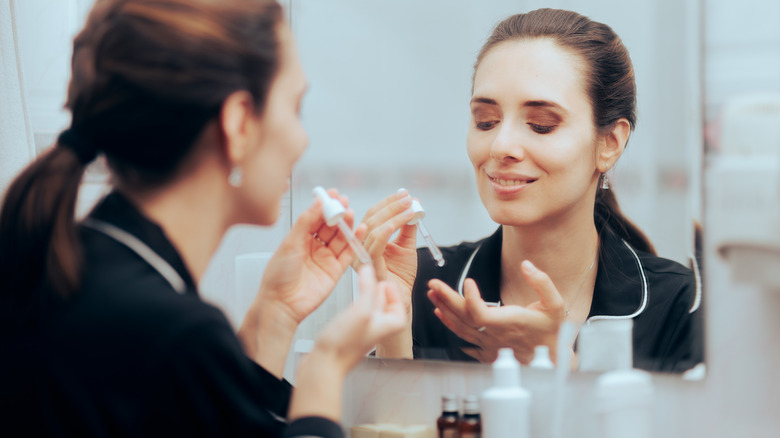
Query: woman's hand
[
  {"x": 345, "y": 341},
  {"x": 301, "y": 274},
  {"x": 307, "y": 265},
  {"x": 377, "y": 313},
  {"x": 490, "y": 328},
  {"x": 394, "y": 261}
]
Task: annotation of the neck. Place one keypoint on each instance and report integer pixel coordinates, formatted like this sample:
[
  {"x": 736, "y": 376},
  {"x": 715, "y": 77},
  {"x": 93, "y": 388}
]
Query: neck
[
  {"x": 566, "y": 250},
  {"x": 192, "y": 212}
]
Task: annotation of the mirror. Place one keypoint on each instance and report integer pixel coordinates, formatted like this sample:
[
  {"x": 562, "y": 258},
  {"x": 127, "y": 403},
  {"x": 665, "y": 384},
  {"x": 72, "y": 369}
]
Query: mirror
[{"x": 388, "y": 107}]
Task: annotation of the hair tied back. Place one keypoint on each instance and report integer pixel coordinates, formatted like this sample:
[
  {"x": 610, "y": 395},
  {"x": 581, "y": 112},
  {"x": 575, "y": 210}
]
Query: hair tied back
[{"x": 85, "y": 151}]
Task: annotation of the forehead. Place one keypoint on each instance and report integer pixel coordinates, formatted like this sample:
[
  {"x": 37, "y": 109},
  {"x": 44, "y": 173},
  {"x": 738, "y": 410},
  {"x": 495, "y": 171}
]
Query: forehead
[{"x": 531, "y": 69}]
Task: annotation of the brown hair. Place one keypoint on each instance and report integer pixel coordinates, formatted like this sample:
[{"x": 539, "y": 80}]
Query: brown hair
[
  {"x": 610, "y": 84},
  {"x": 147, "y": 75}
]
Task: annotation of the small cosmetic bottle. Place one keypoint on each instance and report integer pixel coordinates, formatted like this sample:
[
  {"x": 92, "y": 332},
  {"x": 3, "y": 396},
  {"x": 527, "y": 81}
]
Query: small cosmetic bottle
[
  {"x": 506, "y": 406},
  {"x": 447, "y": 423},
  {"x": 470, "y": 425}
]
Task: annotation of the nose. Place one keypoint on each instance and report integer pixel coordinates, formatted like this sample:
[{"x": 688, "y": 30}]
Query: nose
[{"x": 508, "y": 143}]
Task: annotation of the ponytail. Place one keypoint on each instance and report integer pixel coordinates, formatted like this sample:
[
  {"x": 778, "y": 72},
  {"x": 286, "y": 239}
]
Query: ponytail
[
  {"x": 608, "y": 211},
  {"x": 146, "y": 78},
  {"x": 40, "y": 256}
]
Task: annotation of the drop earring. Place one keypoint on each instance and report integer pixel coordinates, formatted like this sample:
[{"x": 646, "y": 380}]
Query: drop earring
[
  {"x": 236, "y": 176},
  {"x": 604, "y": 181}
]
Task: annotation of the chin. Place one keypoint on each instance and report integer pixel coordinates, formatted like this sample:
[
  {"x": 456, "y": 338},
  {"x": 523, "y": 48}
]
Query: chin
[
  {"x": 269, "y": 218},
  {"x": 510, "y": 217}
]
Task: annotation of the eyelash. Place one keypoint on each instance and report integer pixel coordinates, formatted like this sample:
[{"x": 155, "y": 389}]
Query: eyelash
[
  {"x": 484, "y": 126},
  {"x": 539, "y": 129}
]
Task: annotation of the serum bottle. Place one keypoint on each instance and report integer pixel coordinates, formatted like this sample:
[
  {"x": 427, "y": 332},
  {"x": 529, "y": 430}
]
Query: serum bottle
[
  {"x": 447, "y": 423},
  {"x": 470, "y": 425}
]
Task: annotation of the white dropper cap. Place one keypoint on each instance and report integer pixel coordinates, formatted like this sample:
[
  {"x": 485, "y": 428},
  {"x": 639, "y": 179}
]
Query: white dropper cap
[
  {"x": 506, "y": 369},
  {"x": 449, "y": 403},
  {"x": 419, "y": 213},
  {"x": 332, "y": 209}
]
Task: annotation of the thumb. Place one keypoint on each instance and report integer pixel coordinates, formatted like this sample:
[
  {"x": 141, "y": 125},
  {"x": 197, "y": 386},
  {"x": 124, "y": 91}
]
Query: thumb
[
  {"x": 543, "y": 286},
  {"x": 310, "y": 220},
  {"x": 407, "y": 237}
]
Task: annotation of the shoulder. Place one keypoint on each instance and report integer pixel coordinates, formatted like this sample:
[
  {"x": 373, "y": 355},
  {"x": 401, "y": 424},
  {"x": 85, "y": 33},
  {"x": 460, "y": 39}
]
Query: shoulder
[
  {"x": 668, "y": 277},
  {"x": 124, "y": 294},
  {"x": 671, "y": 320},
  {"x": 659, "y": 277}
]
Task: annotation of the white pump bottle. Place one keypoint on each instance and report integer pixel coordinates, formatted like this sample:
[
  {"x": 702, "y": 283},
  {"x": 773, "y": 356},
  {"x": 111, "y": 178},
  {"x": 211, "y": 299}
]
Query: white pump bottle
[{"x": 506, "y": 406}]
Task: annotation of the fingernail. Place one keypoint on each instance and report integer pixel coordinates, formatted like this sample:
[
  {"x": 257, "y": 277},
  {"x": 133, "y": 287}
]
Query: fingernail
[
  {"x": 404, "y": 192},
  {"x": 528, "y": 267}
]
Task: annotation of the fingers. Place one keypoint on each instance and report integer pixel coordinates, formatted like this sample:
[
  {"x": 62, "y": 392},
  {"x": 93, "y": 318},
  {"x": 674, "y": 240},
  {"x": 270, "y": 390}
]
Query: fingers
[
  {"x": 382, "y": 220},
  {"x": 331, "y": 237},
  {"x": 373, "y": 213},
  {"x": 324, "y": 233},
  {"x": 475, "y": 305},
  {"x": 393, "y": 310},
  {"x": 453, "y": 312},
  {"x": 442, "y": 295},
  {"x": 407, "y": 238},
  {"x": 548, "y": 294},
  {"x": 367, "y": 300},
  {"x": 446, "y": 318},
  {"x": 309, "y": 221},
  {"x": 381, "y": 303}
]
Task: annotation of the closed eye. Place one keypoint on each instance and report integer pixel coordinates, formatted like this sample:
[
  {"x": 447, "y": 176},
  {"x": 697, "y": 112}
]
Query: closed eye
[
  {"x": 542, "y": 129},
  {"x": 484, "y": 126}
]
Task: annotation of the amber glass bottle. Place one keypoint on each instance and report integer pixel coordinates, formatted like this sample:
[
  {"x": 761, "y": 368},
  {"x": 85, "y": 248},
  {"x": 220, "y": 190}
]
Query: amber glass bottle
[
  {"x": 447, "y": 423},
  {"x": 470, "y": 424}
]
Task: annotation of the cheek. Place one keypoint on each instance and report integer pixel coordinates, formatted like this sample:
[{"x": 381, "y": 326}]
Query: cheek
[
  {"x": 302, "y": 141},
  {"x": 575, "y": 152},
  {"x": 475, "y": 147}
]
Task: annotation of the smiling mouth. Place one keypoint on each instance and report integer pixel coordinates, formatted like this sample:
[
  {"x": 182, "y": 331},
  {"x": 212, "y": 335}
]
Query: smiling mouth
[{"x": 510, "y": 182}]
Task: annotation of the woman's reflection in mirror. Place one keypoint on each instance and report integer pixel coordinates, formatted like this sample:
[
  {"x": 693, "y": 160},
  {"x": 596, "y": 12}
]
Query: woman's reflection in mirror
[{"x": 553, "y": 104}]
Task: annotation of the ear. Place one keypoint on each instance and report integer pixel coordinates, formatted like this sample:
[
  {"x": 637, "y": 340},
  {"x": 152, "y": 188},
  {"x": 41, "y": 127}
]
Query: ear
[
  {"x": 612, "y": 145},
  {"x": 236, "y": 119}
]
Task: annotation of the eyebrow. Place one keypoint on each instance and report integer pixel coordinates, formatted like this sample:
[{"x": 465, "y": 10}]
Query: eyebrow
[
  {"x": 484, "y": 100},
  {"x": 530, "y": 103}
]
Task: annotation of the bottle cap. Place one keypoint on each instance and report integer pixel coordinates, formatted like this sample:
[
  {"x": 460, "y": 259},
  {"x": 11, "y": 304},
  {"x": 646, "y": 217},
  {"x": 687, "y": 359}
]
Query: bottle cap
[
  {"x": 332, "y": 209},
  {"x": 506, "y": 369},
  {"x": 471, "y": 405},
  {"x": 542, "y": 358},
  {"x": 449, "y": 403},
  {"x": 419, "y": 213}
]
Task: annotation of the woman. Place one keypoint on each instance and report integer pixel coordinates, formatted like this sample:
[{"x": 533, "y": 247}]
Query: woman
[
  {"x": 553, "y": 104},
  {"x": 195, "y": 105}
]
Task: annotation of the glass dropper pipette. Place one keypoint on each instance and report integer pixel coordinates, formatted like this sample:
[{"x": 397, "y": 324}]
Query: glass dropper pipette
[
  {"x": 334, "y": 212},
  {"x": 419, "y": 214}
]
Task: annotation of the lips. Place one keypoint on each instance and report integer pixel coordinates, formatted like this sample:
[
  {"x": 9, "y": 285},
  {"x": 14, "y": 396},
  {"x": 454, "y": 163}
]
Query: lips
[{"x": 510, "y": 180}]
